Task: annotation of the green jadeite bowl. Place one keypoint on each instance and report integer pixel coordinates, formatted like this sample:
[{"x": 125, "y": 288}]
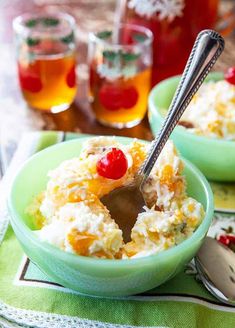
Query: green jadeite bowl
[
  {"x": 214, "y": 157},
  {"x": 98, "y": 276}
]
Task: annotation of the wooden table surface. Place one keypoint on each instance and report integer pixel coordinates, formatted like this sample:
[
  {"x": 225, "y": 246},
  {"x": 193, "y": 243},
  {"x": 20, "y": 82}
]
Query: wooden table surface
[{"x": 16, "y": 118}]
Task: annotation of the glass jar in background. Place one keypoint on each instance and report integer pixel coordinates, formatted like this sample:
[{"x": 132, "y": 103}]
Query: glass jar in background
[
  {"x": 120, "y": 63},
  {"x": 46, "y": 60},
  {"x": 175, "y": 25}
]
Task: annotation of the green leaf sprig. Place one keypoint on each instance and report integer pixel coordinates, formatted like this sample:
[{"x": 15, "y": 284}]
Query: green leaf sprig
[
  {"x": 104, "y": 35},
  {"x": 50, "y": 21},
  {"x": 139, "y": 37},
  {"x": 123, "y": 56},
  {"x": 31, "y": 22},
  {"x": 31, "y": 42},
  {"x": 68, "y": 38},
  {"x": 110, "y": 55},
  {"x": 45, "y": 21}
]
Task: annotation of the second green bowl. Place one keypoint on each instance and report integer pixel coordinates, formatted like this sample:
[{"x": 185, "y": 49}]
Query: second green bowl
[{"x": 214, "y": 157}]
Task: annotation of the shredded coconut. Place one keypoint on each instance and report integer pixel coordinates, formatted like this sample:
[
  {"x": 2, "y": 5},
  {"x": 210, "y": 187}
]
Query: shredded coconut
[
  {"x": 212, "y": 111},
  {"x": 76, "y": 221}
]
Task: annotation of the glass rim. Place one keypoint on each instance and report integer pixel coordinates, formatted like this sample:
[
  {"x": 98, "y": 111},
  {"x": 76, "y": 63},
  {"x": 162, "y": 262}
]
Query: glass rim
[
  {"x": 93, "y": 37},
  {"x": 19, "y": 26}
]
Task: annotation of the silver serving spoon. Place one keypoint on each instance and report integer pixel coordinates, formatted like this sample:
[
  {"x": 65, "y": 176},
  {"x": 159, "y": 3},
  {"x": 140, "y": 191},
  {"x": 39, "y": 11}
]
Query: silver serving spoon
[
  {"x": 215, "y": 264},
  {"x": 126, "y": 202}
]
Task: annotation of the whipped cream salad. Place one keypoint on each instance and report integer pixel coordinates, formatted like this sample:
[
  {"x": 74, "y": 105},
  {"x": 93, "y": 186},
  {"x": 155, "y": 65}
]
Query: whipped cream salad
[
  {"x": 211, "y": 112},
  {"x": 70, "y": 215}
]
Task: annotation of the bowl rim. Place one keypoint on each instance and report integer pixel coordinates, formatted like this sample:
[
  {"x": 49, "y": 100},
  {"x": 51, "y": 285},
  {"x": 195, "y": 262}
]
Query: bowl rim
[
  {"x": 154, "y": 109},
  {"x": 109, "y": 263}
]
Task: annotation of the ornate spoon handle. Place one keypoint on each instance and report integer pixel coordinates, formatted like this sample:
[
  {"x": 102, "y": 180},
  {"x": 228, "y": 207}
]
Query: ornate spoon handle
[{"x": 206, "y": 50}]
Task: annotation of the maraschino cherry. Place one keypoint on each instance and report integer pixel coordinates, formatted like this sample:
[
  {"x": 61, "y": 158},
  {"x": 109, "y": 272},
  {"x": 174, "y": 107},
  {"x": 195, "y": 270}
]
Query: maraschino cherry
[
  {"x": 110, "y": 97},
  {"x": 116, "y": 97},
  {"x": 227, "y": 240},
  {"x": 113, "y": 165},
  {"x": 29, "y": 81},
  {"x": 71, "y": 77},
  {"x": 129, "y": 97},
  {"x": 230, "y": 75}
]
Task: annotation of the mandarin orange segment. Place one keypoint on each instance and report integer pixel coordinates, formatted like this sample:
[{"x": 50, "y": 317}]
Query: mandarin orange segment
[
  {"x": 102, "y": 254},
  {"x": 130, "y": 249},
  {"x": 73, "y": 184},
  {"x": 102, "y": 186},
  {"x": 80, "y": 241},
  {"x": 167, "y": 174},
  {"x": 153, "y": 236},
  {"x": 119, "y": 254},
  {"x": 215, "y": 127},
  {"x": 178, "y": 186},
  {"x": 74, "y": 197},
  {"x": 138, "y": 153}
]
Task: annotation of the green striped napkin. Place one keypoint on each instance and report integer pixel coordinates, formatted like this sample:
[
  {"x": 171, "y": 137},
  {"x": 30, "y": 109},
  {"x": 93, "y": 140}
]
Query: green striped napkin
[{"x": 28, "y": 298}]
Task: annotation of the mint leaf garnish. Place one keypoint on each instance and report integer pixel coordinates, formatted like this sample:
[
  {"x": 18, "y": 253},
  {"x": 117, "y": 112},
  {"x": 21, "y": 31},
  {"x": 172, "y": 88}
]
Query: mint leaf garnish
[
  {"x": 110, "y": 55},
  {"x": 32, "y": 42},
  {"x": 139, "y": 37},
  {"x": 31, "y": 22},
  {"x": 68, "y": 38},
  {"x": 104, "y": 35},
  {"x": 129, "y": 56},
  {"x": 50, "y": 21}
]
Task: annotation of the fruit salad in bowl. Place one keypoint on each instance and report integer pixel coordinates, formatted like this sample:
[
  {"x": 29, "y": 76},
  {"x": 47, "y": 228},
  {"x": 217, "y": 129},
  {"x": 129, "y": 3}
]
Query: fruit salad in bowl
[
  {"x": 63, "y": 227},
  {"x": 72, "y": 217},
  {"x": 206, "y": 132},
  {"x": 211, "y": 112}
]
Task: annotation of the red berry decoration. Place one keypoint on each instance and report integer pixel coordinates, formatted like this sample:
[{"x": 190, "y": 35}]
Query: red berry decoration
[
  {"x": 129, "y": 97},
  {"x": 29, "y": 81},
  {"x": 230, "y": 75},
  {"x": 110, "y": 97},
  {"x": 223, "y": 239},
  {"x": 71, "y": 77},
  {"x": 113, "y": 165},
  {"x": 114, "y": 98},
  {"x": 231, "y": 238}
]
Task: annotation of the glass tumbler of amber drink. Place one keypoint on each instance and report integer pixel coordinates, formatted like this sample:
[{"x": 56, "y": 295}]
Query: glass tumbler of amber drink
[
  {"x": 120, "y": 62},
  {"x": 46, "y": 60}
]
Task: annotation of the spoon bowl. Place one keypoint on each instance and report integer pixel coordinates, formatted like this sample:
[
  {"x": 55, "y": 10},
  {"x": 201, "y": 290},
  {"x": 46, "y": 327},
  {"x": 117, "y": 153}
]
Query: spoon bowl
[
  {"x": 124, "y": 204},
  {"x": 215, "y": 263}
]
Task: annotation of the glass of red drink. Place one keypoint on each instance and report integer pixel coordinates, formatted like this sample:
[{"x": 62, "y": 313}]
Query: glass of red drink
[
  {"x": 46, "y": 60},
  {"x": 120, "y": 62},
  {"x": 175, "y": 25}
]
